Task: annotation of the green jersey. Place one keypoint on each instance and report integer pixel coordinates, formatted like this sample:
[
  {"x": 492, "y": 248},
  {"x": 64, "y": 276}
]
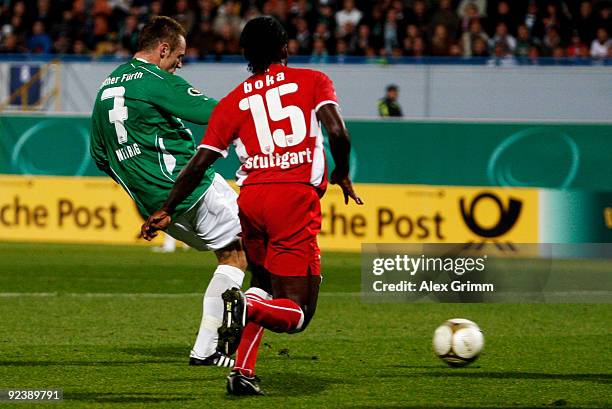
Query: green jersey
[{"x": 138, "y": 138}]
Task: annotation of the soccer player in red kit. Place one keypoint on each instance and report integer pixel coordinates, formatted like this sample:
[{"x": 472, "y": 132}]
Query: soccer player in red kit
[{"x": 273, "y": 119}]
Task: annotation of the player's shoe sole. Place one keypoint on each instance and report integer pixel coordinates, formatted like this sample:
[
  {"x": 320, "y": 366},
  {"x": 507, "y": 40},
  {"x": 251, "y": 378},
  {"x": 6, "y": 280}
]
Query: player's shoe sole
[
  {"x": 234, "y": 320},
  {"x": 216, "y": 359},
  {"x": 240, "y": 385}
]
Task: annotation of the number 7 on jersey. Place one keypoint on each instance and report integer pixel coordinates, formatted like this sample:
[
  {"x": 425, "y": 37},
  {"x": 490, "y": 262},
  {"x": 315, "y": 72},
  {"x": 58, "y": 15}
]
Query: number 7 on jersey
[{"x": 119, "y": 113}]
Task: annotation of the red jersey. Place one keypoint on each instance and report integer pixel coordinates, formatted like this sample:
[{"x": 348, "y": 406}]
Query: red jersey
[{"x": 271, "y": 120}]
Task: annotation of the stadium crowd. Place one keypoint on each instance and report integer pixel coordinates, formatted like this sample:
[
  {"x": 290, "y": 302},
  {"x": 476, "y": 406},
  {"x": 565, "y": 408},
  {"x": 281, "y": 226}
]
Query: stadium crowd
[{"x": 321, "y": 28}]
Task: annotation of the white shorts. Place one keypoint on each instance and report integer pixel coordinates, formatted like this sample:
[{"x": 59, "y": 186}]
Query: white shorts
[{"x": 213, "y": 222}]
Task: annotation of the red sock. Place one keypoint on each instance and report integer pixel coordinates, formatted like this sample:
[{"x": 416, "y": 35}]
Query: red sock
[
  {"x": 246, "y": 355},
  {"x": 278, "y": 315}
]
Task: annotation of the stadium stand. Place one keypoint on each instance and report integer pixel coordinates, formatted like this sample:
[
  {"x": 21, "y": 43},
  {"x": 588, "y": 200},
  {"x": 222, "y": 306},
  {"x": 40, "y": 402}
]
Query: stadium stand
[{"x": 322, "y": 30}]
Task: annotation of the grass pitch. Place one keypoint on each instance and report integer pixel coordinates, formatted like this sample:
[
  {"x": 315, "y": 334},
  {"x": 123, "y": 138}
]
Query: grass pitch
[{"x": 113, "y": 326}]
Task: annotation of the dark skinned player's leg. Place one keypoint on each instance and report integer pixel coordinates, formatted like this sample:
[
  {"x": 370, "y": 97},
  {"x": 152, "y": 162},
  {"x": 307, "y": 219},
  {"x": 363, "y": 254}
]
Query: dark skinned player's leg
[
  {"x": 304, "y": 291},
  {"x": 280, "y": 224}
]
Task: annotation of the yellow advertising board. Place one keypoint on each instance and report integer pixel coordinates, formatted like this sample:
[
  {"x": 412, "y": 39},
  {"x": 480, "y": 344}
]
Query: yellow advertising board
[
  {"x": 429, "y": 214},
  {"x": 67, "y": 209},
  {"x": 97, "y": 210}
]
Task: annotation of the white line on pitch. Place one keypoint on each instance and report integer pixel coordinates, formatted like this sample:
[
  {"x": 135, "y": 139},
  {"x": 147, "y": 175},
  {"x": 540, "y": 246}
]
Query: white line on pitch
[{"x": 143, "y": 295}]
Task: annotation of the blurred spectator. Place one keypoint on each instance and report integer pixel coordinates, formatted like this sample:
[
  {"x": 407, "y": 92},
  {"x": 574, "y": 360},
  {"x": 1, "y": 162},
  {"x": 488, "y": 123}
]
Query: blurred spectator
[
  {"x": 577, "y": 48},
  {"x": 341, "y": 50},
  {"x": 502, "y": 56},
  {"x": 319, "y": 52},
  {"x": 503, "y": 36},
  {"x": 65, "y": 26},
  {"x": 599, "y": 46},
  {"x": 558, "y": 54},
  {"x": 128, "y": 34},
  {"x": 350, "y": 37},
  {"x": 503, "y": 14},
  {"x": 207, "y": 11},
  {"x": 418, "y": 49},
  {"x": 523, "y": 41},
  {"x": 186, "y": 16},
  {"x": 101, "y": 36},
  {"x": 470, "y": 15},
  {"x": 39, "y": 42},
  {"x": 155, "y": 9},
  {"x": 391, "y": 30},
  {"x": 532, "y": 21},
  {"x": 44, "y": 13},
  {"x": 534, "y": 55},
  {"x": 293, "y": 46},
  {"x": 204, "y": 39},
  {"x": 440, "y": 42},
  {"x": 551, "y": 41},
  {"x": 388, "y": 105},
  {"x": 480, "y": 48},
  {"x": 62, "y": 45},
  {"x": 304, "y": 9},
  {"x": 303, "y": 37},
  {"x": 323, "y": 33},
  {"x": 326, "y": 15},
  {"x": 230, "y": 39},
  {"x": 585, "y": 22},
  {"x": 21, "y": 12},
  {"x": 348, "y": 14},
  {"x": 122, "y": 7},
  {"x": 376, "y": 22},
  {"x": 474, "y": 33},
  {"x": 465, "y": 5},
  {"x": 412, "y": 32},
  {"x": 10, "y": 45},
  {"x": 555, "y": 17},
  {"x": 455, "y": 50},
  {"x": 603, "y": 17},
  {"x": 419, "y": 16},
  {"x": 362, "y": 42},
  {"x": 79, "y": 48},
  {"x": 446, "y": 16}
]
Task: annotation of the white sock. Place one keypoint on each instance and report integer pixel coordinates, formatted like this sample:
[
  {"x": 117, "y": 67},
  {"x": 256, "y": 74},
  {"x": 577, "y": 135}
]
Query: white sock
[{"x": 225, "y": 277}]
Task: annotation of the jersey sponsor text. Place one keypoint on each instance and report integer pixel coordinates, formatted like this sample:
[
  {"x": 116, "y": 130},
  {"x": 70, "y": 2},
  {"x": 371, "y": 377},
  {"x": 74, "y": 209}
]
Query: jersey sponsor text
[
  {"x": 283, "y": 161},
  {"x": 123, "y": 78}
]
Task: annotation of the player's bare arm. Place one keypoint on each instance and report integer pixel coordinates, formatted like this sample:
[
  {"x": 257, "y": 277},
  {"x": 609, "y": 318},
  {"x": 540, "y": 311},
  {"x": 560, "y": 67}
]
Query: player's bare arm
[
  {"x": 340, "y": 146},
  {"x": 185, "y": 184}
]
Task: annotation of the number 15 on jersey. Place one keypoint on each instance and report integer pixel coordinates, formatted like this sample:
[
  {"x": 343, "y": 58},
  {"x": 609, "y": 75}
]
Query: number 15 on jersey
[{"x": 268, "y": 139}]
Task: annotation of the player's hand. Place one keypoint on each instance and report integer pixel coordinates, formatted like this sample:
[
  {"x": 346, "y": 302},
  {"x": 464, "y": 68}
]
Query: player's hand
[
  {"x": 347, "y": 187},
  {"x": 159, "y": 220}
]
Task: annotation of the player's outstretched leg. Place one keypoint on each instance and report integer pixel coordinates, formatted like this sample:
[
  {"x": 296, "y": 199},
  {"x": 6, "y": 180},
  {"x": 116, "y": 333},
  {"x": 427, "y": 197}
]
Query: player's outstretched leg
[{"x": 227, "y": 275}]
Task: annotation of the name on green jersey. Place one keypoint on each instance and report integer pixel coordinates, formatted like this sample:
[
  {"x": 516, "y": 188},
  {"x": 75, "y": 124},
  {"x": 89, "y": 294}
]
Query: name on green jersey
[
  {"x": 124, "y": 78},
  {"x": 127, "y": 152}
]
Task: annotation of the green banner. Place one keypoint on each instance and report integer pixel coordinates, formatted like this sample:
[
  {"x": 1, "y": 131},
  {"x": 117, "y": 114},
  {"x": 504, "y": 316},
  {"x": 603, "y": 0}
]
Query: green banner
[
  {"x": 577, "y": 156},
  {"x": 557, "y": 156}
]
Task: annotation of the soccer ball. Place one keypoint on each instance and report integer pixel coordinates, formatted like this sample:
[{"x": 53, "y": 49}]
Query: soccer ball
[{"x": 458, "y": 342}]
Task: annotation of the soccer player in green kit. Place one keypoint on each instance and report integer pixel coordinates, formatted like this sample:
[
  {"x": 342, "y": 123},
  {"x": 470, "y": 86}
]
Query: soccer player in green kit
[{"x": 138, "y": 139}]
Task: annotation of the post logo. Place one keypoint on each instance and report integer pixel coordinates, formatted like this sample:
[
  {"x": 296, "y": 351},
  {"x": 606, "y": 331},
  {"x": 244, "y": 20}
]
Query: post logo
[{"x": 508, "y": 215}]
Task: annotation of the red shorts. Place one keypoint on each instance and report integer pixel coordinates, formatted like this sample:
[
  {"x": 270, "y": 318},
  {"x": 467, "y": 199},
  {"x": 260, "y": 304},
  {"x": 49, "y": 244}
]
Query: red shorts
[{"x": 280, "y": 223}]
